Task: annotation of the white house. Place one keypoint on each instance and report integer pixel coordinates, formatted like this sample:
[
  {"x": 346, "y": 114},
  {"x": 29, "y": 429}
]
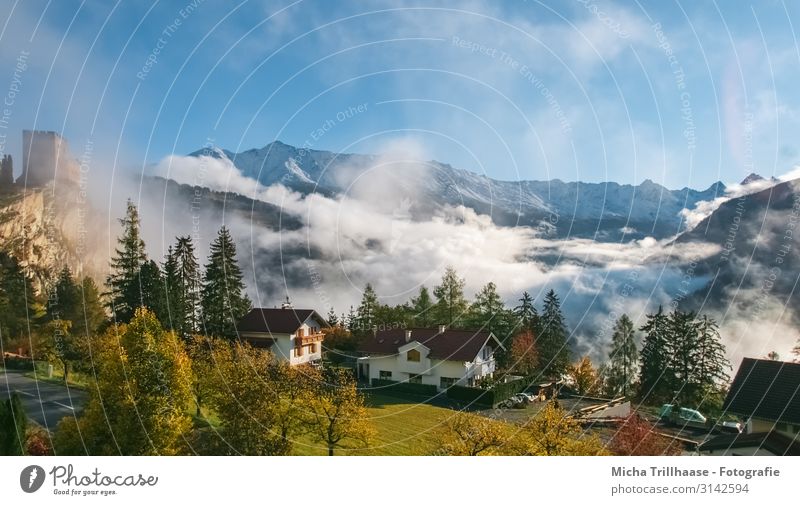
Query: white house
[
  {"x": 436, "y": 356},
  {"x": 294, "y": 335}
]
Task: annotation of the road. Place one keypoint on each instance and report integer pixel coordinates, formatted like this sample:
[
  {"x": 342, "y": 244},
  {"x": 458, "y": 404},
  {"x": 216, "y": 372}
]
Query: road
[{"x": 44, "y": 402}]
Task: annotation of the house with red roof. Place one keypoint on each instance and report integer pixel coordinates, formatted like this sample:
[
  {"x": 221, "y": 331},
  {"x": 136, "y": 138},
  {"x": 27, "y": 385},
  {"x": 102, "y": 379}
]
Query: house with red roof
[
  {"x": 436, "y": 356},
  {"x": 293, "y": 335}
]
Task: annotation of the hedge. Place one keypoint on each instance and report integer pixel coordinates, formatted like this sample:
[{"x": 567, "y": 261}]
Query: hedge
[
  {"x": 390, "y": 386},
  {"x": 487, "y": 397},
  {"x": 16, "y": 363}
]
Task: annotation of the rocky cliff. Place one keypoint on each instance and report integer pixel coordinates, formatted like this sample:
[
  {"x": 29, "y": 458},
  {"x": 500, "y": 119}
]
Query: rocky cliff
[{"x": 49, "y": 227}]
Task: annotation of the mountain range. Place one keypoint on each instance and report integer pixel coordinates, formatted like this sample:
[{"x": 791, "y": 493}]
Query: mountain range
[{"x": 605, "y": 211}]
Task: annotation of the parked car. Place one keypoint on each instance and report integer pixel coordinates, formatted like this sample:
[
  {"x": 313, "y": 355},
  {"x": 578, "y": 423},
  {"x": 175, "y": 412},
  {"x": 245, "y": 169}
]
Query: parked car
[{"x": 683, "y": 417}]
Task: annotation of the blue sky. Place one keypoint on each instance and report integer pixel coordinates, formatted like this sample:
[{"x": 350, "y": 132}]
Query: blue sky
[{"x": 681, "y": 93}]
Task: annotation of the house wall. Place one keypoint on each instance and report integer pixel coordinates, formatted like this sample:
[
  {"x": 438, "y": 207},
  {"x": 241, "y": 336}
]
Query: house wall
[
  {"x": 431, "y": 370},
  {"x": 756, "y": 425},
  {"x": 739, "y": 451},
  {"x": 284, "y": 346}
]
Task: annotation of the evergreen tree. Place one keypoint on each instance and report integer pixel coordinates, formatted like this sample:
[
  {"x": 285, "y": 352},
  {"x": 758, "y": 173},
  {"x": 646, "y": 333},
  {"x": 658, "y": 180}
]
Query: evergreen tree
[
  {"x": 422, "y": 307},
  {"x": 526, "y": 313},
  {"x": 152, "y": 296},
  {"x": 654, "y": 372},
  {"x": 682, "y": 349},
  {"x": 623, "y": 357},
  {"x": 489, "y": 313},
  {"x": 332, "y": 318},
  {"x": 451, "y": 306},
  {"x": 366, "y": 314},
  {"x": 223, "y": 297},
  {"x": 18, "y": 303},
  {"x": 554, "y": 352},
  {"x": 92, "y": 316},
  {"x": 64, "y": 301},
  {"x": 182, "y": 282},
  {"x": 13, "y": 426},
  {"x": 350, "y": 320},
  {"x": 711, "y": 365},
  {"x": 123, "y": 283}
]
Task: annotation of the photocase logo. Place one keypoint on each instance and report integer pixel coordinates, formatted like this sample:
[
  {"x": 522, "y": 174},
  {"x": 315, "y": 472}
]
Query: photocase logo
[{"x": 31, "y": 478}]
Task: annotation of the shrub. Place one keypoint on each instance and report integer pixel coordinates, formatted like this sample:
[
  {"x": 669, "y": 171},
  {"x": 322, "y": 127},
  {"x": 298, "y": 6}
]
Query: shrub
[{"x": 389, "y": 386}]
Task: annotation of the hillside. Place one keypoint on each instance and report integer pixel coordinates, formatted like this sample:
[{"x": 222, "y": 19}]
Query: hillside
[{"x": 605, "y": 211}]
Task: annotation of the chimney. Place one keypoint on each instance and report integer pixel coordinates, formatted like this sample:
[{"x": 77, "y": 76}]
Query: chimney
[
  {"x": 442, "y": 327},
  {"x": 408, "y": 335},
  {"x": 287, "y": 304}
]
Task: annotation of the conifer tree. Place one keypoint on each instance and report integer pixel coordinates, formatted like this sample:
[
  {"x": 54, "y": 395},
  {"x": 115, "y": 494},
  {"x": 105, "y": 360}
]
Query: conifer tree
[
  {"x": 18, "y": 303},
  {"x": 13, "y": 426},
  {"x": 173, "y": 304},
  {"x": 489, "y": 313},
  {"x": 332, "y": 318},
  {"x": 223, "y": 297},
  {"x": 526, "y": 313},
  {"x": 451, "y": 306},
  {"x": 554, "y": 352},
  {"x": 151, "y": 293},
  {"x": 654, "y": 372},
  {"x": 623, "y": 357},
  {"x": 124, "y": 294},
  {"x": 682, "y": 350},
  {"x": 711, "y": 365},
  {"x": 64, "y": 299},
  {"x": 422, "y": 307},
  {"x": 182, "y": 278},
  {"x": 92, "y": 316},
  {"x": 367, "y": 310}
]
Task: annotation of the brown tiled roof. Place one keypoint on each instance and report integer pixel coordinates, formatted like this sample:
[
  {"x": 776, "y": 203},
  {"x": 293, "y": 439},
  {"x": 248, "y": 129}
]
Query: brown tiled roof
[
  {"x": 773, "y": 441},
  {"x": 766, "y": 389},
  {"x": 277, "y": 320},
  {"x": 454, "y": 345}
]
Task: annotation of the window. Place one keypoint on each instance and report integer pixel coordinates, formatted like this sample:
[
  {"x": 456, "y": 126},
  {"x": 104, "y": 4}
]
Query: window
[
  {"x": 301, "y": 332},
  {"x": 385, "y": 375},
  {"x": 311, "y": 349},
  {"x": 414, "y": 378},
  {"x": 446, "y": 382},
  {"x": 412, "y": 355}
]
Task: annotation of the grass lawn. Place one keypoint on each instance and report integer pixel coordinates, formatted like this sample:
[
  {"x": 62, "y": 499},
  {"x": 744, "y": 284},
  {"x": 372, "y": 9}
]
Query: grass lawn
[{"x": 403, "y": 427}]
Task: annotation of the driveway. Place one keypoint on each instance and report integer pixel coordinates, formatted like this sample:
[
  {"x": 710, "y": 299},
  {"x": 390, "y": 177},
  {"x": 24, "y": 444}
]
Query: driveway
[{"x": 44, "y": 402}]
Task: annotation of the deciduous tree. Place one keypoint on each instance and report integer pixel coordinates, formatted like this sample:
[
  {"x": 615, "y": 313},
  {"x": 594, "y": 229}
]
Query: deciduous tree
[
  {"x": 336, "y": 412},
  {"x": 138, "y": 405},
  {"x": 466, "y": 434},
  {"x": 623, "y": 357},
  {"x": 637, "y": 437},
  {"x": 524, "y": 356},
  {"x": 552, "y": 433},
  {"x": 13, "y": 426},
  {"x": 584, "y": 376}
]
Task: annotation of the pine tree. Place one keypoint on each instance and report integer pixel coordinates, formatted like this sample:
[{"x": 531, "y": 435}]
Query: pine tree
[
  {"x": 422, "y": 307},
  {"x": 171, "y": 298},
  {"x": 350, "y": 320},
  {"x": 13, "y": 426},
  {"x": 64, "y": 300},
  {"x": 367, "y": 310},
  {"x": 18, "y": 303},
  {"x": 488, "y": 313},
  {"x": 526, "y": 313},
  {"x": 151, "y": 290},
  {"x": 554, "y": 352},
  {"x": 123, "y": 281},
  {"x": 451, "y": 306},
  {"x": 332, "y": 318},
  {"x": 182, "y": 276},
  {"x": 223, "y": 297},
  {"x": 92, "y": 316},
  {"x": 711, "y": 365},
  {"x": 623, "y": 357},
  {"x": 682, "y": 347},
  {"x": 655, "y": 379}
]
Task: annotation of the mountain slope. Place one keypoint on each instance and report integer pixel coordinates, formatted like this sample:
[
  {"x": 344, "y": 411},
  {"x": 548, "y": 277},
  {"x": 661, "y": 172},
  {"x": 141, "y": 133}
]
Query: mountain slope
[{"x": 602, "y": 211}]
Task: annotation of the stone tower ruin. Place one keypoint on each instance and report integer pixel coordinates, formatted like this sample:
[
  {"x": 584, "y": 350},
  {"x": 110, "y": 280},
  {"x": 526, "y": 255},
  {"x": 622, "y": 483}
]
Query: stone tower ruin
[{"x": 46, "y": 158}]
